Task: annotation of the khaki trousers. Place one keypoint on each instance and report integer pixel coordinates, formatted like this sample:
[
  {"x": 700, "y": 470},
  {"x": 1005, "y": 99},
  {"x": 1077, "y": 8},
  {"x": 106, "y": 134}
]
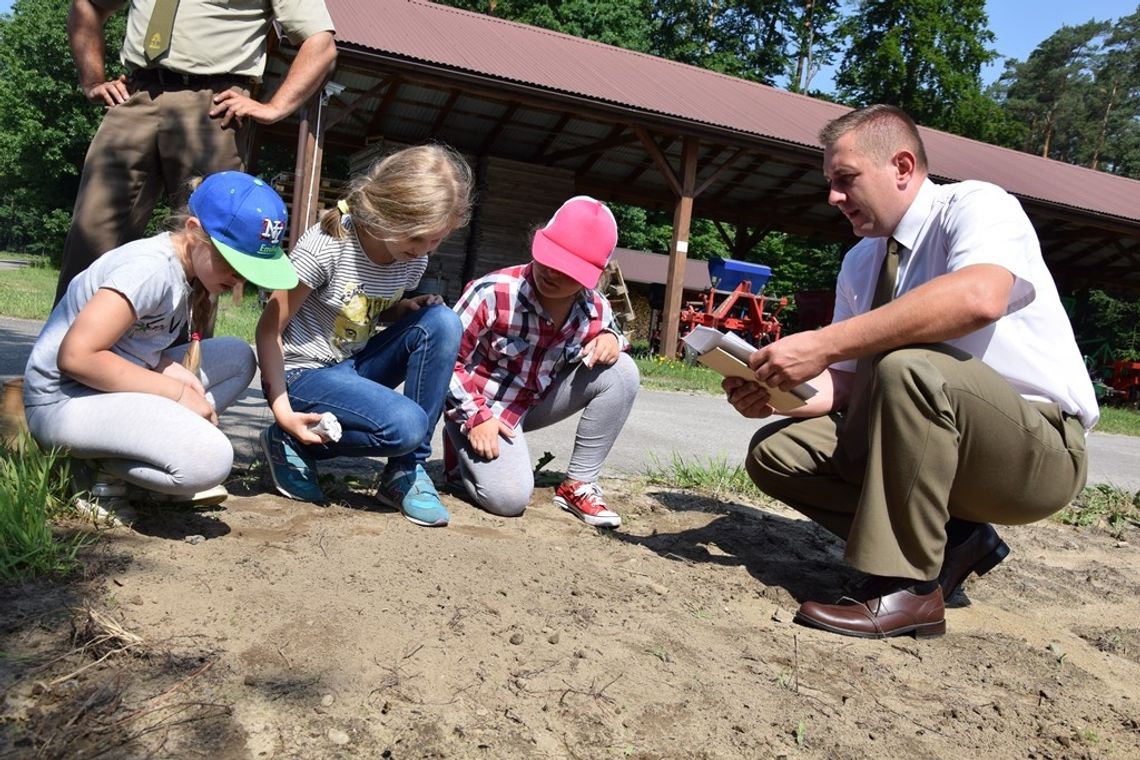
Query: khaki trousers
[
  {"x": 948, "y": 437},
  {"x": 151, "y": 145}
]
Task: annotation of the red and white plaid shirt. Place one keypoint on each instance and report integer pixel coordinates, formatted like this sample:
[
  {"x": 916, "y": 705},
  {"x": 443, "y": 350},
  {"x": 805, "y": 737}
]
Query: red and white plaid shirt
[{"x": 511, "y": 351}]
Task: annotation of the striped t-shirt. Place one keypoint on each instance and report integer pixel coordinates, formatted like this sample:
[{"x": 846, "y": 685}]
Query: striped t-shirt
[{"x": 349, "y": 292}]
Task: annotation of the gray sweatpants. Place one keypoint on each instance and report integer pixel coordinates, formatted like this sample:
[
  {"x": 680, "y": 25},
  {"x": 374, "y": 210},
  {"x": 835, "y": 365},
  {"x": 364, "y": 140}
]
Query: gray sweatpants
[
  {"x": 148, "y": 440},
  {"x": 604, "y": 395}
]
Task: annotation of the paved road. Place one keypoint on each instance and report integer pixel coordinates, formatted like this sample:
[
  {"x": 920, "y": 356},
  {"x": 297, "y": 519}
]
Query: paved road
[{"x": 661, "y": 425}]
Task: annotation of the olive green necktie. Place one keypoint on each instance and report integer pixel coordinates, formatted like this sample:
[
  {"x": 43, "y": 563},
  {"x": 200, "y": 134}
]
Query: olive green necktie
[
  {"x": 855, "y": 419},
  {"x": 159, "y": 29}
]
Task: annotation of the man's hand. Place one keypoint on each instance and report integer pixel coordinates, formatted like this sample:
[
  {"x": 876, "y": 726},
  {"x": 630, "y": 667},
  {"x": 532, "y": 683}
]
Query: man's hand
[
  {"x": 790, "y": 361},
  {"x": 603, "y": 349},
  {"x": 109, "y": 94},
  {"x": 233, "y": 107},
  {"x": 484, "y": 437},
  {"x": 749, "y": 398}
]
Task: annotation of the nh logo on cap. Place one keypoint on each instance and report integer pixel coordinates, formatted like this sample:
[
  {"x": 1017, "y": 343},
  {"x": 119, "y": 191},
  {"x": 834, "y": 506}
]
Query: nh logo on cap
[{"x": 271, "y": 230}]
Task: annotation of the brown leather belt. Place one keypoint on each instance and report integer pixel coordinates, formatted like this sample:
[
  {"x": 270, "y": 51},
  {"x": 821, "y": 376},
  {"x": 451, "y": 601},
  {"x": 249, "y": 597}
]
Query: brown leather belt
[{"x": 165, "y": 79}]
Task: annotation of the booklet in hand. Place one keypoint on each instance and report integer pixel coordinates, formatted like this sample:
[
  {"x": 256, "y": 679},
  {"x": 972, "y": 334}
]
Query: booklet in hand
[{"x": 728, "y": 354}]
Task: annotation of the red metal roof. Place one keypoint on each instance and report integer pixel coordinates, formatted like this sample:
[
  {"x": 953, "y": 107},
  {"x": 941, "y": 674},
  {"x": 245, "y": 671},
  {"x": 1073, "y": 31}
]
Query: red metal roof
[{"x": 507, "y": 51}]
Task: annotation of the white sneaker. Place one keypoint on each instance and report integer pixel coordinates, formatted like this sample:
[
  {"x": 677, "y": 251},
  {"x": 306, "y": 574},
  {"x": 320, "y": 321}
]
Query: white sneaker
[
  {"x": 204, "y": 498},
  {"x": 107, "y": 513}
]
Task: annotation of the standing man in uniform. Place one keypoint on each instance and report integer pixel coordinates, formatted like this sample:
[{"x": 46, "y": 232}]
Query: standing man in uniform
[
  {"x": 952, "y": 393},
  {"x": 184, "y": 107}
]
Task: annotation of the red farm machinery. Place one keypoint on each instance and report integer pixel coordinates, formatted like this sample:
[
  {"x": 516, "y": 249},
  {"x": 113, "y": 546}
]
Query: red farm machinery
[{"x": 736, "y": 303}]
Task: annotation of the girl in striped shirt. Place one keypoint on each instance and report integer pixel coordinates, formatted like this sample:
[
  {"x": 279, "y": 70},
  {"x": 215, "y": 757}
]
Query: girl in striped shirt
[{"x": 321, "y": 349}]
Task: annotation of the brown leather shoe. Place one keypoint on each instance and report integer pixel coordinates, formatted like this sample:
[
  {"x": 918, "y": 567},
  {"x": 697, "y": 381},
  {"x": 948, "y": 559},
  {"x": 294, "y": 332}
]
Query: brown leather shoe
[
  {"x": 979, "y": 553},
  {"x": 896, "y": 614}
]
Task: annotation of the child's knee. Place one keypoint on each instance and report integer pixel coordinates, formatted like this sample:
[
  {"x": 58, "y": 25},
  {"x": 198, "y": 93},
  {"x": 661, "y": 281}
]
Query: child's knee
[
  {"x": 443, "y": 324},
  {"x": 505, "y": 502},
  {"x": 409, "y": 425}
]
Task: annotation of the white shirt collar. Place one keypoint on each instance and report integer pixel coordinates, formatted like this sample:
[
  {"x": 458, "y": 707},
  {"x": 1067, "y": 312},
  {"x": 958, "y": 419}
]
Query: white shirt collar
[{"x": 915, "y": 217}]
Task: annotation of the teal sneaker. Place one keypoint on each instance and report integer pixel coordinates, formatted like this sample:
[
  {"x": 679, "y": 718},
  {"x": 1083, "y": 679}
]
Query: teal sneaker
[
  {"x": 293, "y": 471},
  {"x": 412, "y": 492}
]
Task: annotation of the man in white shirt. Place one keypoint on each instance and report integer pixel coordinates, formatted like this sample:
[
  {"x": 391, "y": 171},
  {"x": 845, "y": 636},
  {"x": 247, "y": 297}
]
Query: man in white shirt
[{"x": 952, "y": 392}]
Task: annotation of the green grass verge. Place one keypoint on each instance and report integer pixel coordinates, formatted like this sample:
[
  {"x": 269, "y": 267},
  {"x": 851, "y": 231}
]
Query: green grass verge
[
  {"x": 27, "y": 292},
  {"x": 661, "y": 374},
  {"x": 1121, "y": 420},
  {"x": 239, "y": 320},
  {"x": 34, "y": 488}
]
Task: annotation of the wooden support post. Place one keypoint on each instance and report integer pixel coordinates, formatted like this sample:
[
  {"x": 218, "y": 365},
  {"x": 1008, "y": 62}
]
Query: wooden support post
[
  {"x": 678, "y": 250},
  {"x": 307, "y": 176}
]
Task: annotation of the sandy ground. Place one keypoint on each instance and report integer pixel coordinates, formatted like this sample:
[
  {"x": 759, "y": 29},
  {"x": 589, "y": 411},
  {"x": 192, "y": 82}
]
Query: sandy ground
[{"x": 288, "y": 630}]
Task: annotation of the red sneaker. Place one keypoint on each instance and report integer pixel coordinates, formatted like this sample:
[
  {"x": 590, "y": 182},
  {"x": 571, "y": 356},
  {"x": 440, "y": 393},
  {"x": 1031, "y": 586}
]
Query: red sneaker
[{"x": 584, "y": 500}]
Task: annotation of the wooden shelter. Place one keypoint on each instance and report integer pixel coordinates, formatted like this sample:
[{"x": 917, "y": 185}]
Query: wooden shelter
[{"x": 543, "y": 116}]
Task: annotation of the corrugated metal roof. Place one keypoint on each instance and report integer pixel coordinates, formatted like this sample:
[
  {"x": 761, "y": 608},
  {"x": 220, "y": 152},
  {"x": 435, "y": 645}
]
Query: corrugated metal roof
[
  {"x": 507, "y": 51},
  {"x": 653, "y": 269}
]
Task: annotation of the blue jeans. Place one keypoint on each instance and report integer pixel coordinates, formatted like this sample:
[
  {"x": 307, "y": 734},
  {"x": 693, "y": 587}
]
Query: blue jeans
[{"x": 418, "y": 351}]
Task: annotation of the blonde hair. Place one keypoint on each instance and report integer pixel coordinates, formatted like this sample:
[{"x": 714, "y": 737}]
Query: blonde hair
[
  {"x": 882, "y": 130},
  {"x": 410, "y": 193},
  {"x": 202, "y": 307}
]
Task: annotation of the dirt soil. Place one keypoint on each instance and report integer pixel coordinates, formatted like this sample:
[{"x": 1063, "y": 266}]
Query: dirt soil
[{"x": 289, "y": 630}]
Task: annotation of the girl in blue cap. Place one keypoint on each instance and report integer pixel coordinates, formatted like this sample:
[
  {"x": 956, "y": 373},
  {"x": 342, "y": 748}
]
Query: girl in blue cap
[
  {"x": 105, "y": 381},
  {"x": 321, "y": 345}
]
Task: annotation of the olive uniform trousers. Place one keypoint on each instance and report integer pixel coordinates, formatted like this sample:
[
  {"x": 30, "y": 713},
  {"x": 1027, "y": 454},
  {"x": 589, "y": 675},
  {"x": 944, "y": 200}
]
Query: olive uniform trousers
[
  {"x": 148, "y": 146},
  {"x": 946, "y": 436}
]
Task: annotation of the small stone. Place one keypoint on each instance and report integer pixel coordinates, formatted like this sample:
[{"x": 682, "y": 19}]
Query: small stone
[
  {"x": 553, "y": 638},
  {"x": 657, "y": 588},
  {"x": 779, "y": 616},
  {"x": 135, "y": 600},
  {"x": 195, "y": 539},
  {"x": 516, "y": 638},
  {"x": 580, "y": 654},
  {"x": 249, "y": 681},
  {"x": 336, "y": 736},
  {"x": 1056, "y": 650},
  {"x": 327, "y": 700}
]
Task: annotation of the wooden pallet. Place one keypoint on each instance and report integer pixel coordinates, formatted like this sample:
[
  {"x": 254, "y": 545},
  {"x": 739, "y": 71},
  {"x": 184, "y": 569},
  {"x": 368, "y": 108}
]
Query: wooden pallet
[{"x": 613, "y": 287}]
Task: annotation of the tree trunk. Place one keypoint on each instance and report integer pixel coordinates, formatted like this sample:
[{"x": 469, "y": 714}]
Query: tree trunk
[{"x": 1103, "y": 127}]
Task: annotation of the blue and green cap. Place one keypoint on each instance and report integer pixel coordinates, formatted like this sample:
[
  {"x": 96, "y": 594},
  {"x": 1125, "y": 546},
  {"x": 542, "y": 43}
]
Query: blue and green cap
[{"x": 246, "y": 219}]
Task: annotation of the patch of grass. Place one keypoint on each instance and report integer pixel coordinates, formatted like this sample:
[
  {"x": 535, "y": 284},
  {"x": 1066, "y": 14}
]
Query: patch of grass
[
  {"x": 1103, "y": 506},
  {"x": 661, "y": 374},
  {"x": 714, "y": 476},
  {"x": 34, "y": 488},
  {"x": 1121, "y": 420},
  {"x": 27, "y": 292},
  {"x": 239, "y": 320}
]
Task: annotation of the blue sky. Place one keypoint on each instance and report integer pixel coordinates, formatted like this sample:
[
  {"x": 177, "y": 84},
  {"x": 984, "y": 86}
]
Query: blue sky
[{"x": 1019, "y": 25}]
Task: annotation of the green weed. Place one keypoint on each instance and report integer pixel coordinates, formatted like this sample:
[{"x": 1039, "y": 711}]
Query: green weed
[
  {"x": 34, "y": 488},
  {"x": 1103, "y": 506},
  {"x": 714, "y": 476}
]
